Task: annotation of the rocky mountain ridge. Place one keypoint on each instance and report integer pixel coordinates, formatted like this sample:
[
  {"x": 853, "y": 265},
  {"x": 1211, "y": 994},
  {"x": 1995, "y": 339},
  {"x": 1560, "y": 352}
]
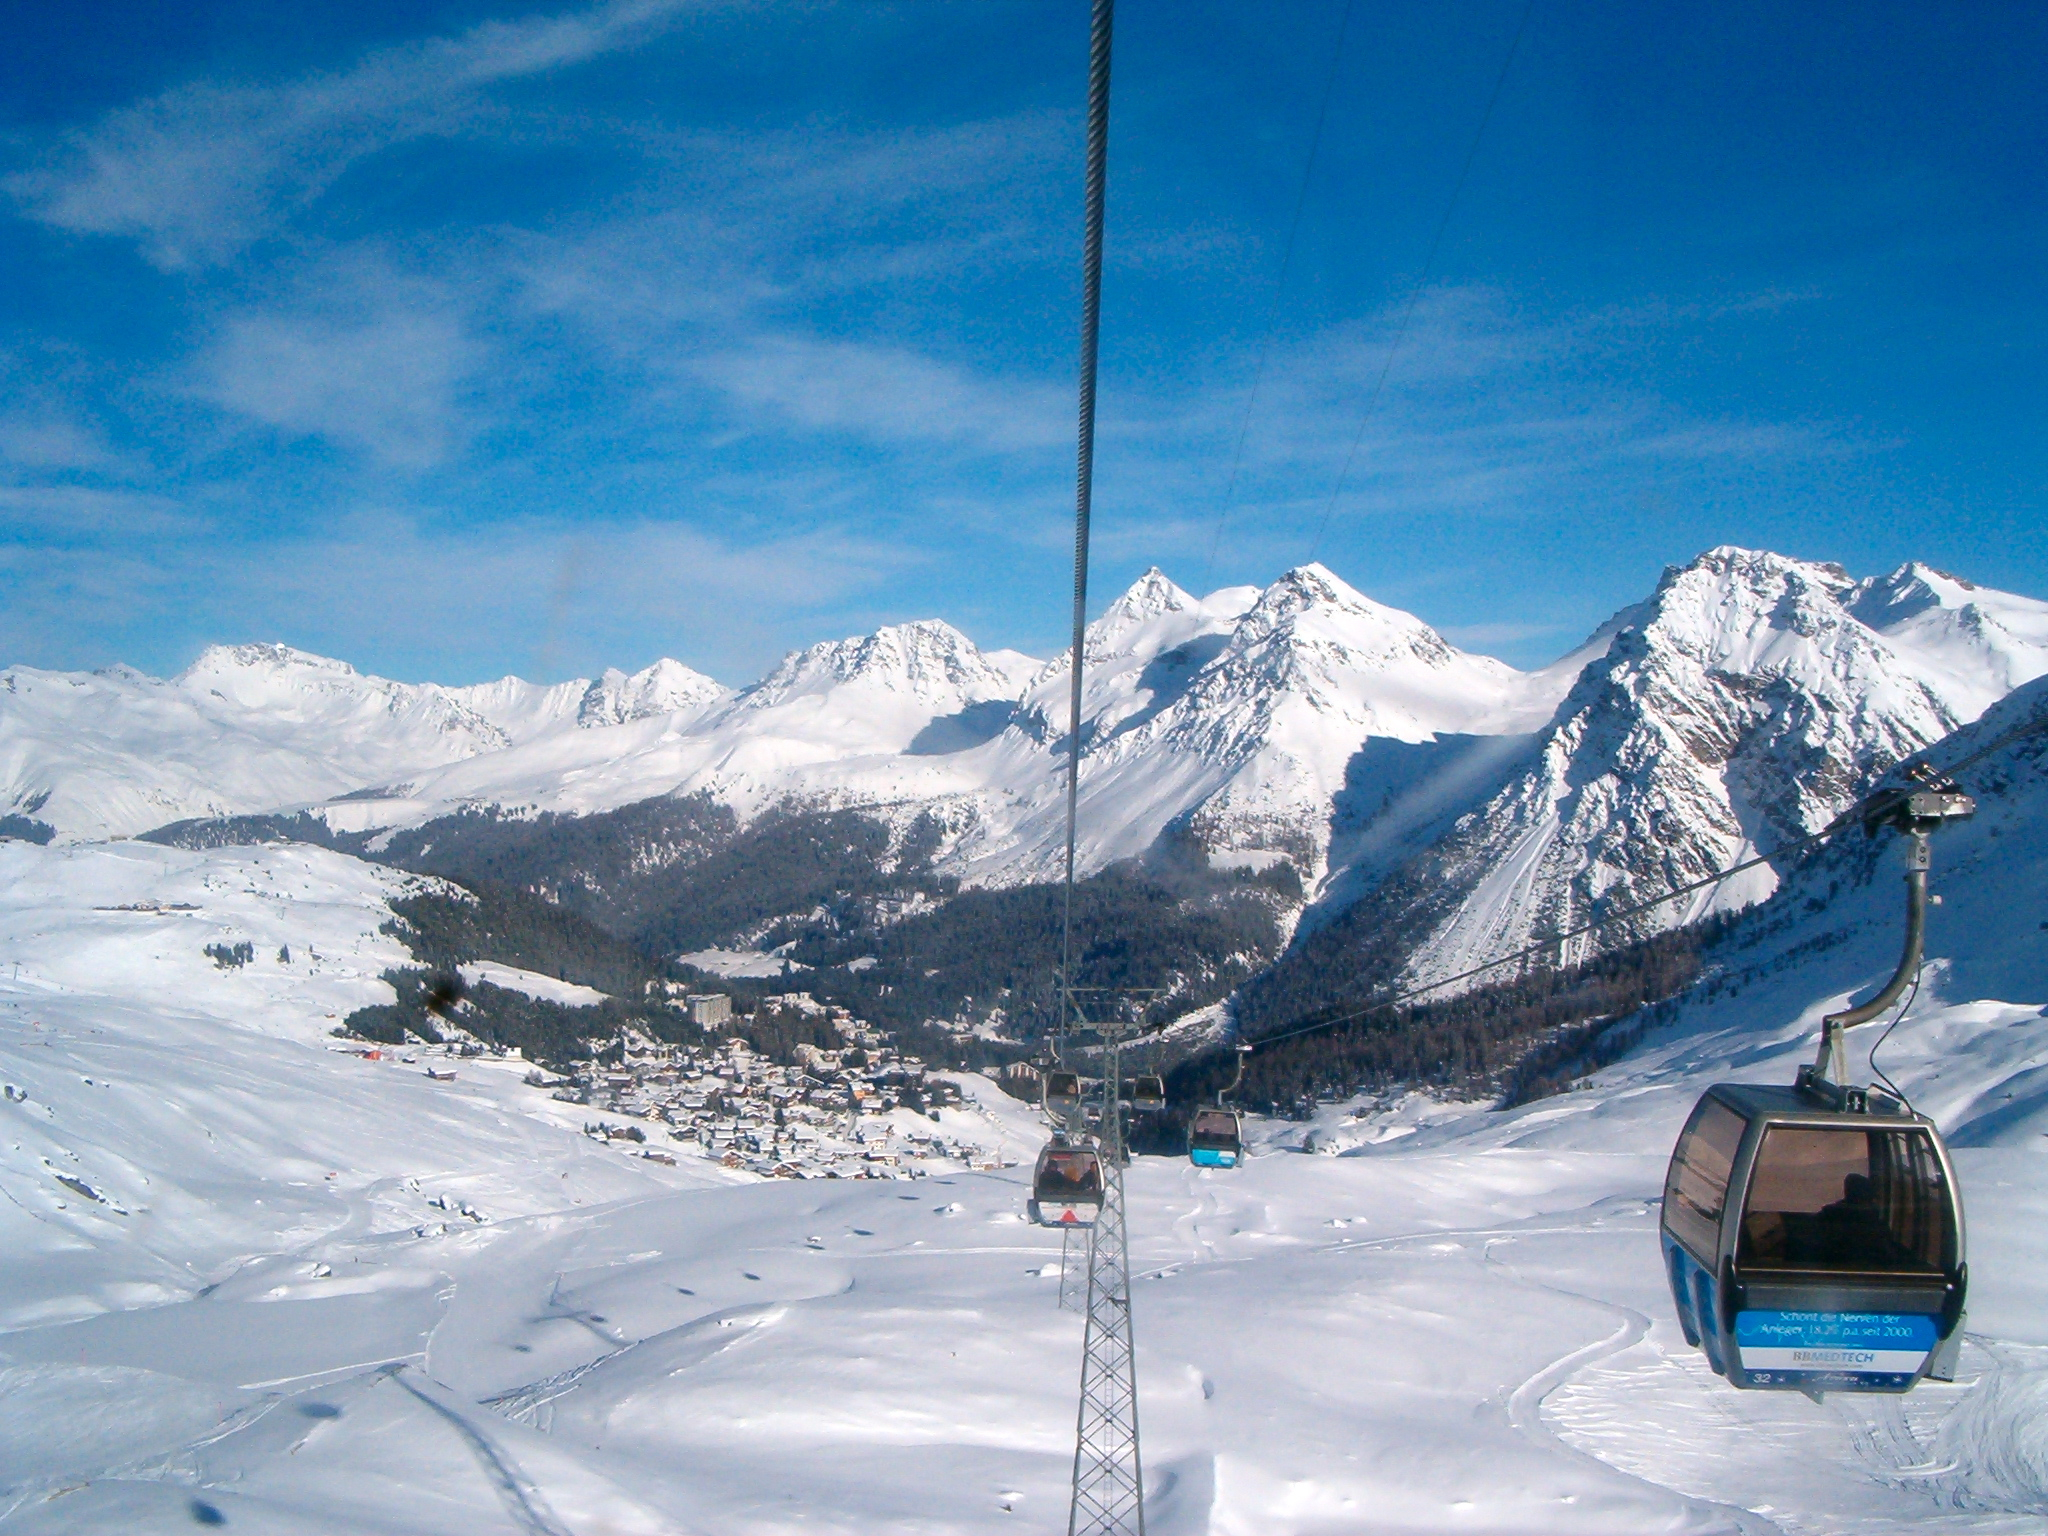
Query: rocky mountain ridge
[{"x": 1406, "y": 784}]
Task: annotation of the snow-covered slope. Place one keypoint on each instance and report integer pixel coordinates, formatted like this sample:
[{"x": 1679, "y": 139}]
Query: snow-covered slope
[
  {"x": 1459, "y": 1322},
  {"x": 1738, "y": 707},
  {"x": 253, "y": 728},
  {"x": 1743, "y": 706},
  {"x": 202, "y": 1103}
]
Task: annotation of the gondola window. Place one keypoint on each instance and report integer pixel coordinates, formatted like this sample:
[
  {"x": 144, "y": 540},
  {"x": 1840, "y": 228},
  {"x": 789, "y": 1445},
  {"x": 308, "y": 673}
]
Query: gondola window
[
  {"x": 1698, "y": 1187},
  {"x": 1841, "y": 1198}
]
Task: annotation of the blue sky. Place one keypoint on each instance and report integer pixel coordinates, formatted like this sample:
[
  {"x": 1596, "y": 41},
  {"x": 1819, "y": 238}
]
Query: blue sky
[{"x": 464, "y": 339}]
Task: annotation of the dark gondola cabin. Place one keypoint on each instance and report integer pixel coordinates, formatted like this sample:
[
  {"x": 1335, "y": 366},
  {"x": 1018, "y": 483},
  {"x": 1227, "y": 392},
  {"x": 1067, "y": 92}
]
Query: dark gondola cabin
[
  {"x": 1148, "y": 1092},
  {"x": 1066, "y": 1187},
  {"x": 1215, "y": 1139},
  {"x": 1814, "y": 1248},
  {"x": 1062, "y": 1093}
]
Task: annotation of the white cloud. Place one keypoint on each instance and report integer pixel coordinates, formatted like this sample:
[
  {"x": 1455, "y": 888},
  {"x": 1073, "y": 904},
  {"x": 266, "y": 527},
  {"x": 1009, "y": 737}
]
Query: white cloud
[
  {"x": 384, "y": 589},
  {"x": 199, "y": 172},
  {"x": 1468, "y": 635},
  {"x": 68, "y": 513},
  {"x": 886, "y": 393},
  {"x": 50, "y": 442},
  {"x": 385, "y": 383}
]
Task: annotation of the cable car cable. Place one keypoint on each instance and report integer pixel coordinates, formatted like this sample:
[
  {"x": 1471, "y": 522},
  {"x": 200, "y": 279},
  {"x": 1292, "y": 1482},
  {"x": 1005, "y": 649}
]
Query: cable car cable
[
  {"x": 1084, "y": 470},
  {"x": 1428, "y": 265},
  {"x": 1315, "y": 144},
  {"x": 1798, "y": 848}
]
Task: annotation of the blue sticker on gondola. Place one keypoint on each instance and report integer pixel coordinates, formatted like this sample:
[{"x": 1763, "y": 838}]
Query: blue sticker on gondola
[{"x": 1889, "y": 1343}]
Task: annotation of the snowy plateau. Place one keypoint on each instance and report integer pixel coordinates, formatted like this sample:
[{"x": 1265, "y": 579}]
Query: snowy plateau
[{"x": 253, "y": 1281}]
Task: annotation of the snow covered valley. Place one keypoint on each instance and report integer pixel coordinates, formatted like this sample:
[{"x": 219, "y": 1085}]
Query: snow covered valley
[{"x": 239, "y": 1289}]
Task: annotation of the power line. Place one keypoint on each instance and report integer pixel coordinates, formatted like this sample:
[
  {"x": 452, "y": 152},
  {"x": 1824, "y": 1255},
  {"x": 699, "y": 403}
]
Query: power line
[
  {"x": 1315, "y": 144},
  {"x": 1428, "y": 265}
]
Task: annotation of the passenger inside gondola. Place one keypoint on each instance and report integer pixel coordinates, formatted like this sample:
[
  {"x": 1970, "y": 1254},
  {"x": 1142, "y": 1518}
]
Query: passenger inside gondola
[
  {"x": 1845, "y": 1199},
  {"x": 1070, "y": 1176}
]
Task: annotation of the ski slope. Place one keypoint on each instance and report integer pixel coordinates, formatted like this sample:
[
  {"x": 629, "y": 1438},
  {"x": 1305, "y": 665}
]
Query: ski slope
[{"x": 1441, "y": 1318}]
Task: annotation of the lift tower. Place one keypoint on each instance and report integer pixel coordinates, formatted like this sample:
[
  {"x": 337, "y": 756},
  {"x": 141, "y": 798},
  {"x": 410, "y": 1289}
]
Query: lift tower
[{"x": 1109, "y": 1479}]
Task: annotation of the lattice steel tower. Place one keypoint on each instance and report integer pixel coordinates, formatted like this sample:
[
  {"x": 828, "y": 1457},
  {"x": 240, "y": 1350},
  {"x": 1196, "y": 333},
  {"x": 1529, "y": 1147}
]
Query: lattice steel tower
[{"x": 1109, "y": 1476}]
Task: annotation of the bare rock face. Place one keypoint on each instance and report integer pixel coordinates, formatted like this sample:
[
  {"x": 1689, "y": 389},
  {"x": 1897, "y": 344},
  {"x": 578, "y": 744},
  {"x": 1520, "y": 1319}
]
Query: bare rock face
[
  {"x": 1750, "y": 701},
  {"x": 1453, "y": 806},
  {"x": 666, "y": 688}
]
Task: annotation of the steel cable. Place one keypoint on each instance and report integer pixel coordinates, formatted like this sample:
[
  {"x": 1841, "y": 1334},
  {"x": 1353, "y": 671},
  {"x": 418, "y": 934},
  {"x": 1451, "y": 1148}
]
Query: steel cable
[
  {"x": 1084, "y": 478},
  {"x": 1415, "y": 293},
  {"x": 1315, "y": 144},
  {"x": 1794, "y": 850}
]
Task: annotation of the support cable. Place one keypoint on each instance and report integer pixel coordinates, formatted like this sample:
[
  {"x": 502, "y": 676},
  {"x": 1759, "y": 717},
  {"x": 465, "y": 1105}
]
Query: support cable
[
  {"x": 1428, "y": 265},
  {"x": 1315, "y": 144},
  {"x": 1797, "y": 849},
  {"x": 1084, "y": 479},
  {"x": 1108, "y": 1494}
]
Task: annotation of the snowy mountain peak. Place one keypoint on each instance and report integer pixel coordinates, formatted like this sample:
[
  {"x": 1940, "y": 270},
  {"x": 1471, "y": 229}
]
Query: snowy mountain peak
[
  {"x": 1307, "y": 585},
  {"x": 274, "y": 660},
  {"x": 1909, "y": 591},
  {"x": 1731, "y": 607},
  {"x": 1149, "y": 596},
  {"x": 1751, "y": 698},
  {"x": 1314, "y": 637},
  {"x": 1310, "y": 600},
  {"x": 1976, "y": 643},
  {"x": 665, "y": 688},
  {"x": 927, "y": 660}
]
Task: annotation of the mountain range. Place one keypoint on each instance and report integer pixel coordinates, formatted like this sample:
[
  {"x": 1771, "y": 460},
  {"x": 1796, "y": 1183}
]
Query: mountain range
[{"x": 1378, "y": 776}]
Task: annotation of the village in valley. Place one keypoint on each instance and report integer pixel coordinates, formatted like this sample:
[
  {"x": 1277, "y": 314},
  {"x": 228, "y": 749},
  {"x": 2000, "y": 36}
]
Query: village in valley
[{"x": 862, "y": 1110}]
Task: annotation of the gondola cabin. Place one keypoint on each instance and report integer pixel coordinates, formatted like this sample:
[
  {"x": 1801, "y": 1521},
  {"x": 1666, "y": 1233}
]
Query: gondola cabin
[
  {"x": 1148, "y": 1092},
  {"x": 1066, "y": 1187},
  {"x": 1813, "y": 1248},
  {"x": 1062, "y": 1094},
  {"x": 1215, "y": 1140}
]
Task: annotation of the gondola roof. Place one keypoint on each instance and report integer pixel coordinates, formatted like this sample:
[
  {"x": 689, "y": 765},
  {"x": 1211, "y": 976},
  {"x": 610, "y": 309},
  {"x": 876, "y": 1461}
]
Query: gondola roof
[{"x": 1755, "y": 1100}]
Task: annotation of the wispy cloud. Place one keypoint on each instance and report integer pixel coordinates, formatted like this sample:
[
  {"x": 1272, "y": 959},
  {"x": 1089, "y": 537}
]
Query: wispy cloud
[
  {"x": 886, "y": 393},
  {"x": 1481, "y": 411},
  {"x": 1498, "y": 634},
  {"x": 39, "y": 441},
  {"x": 197, "y": 173},
  {"x": 384, "y": 382},
  {"x": 376, "y": 587},
  {"x": 62, "y": 514},
  {"x": 742, "y": 280},
  {"x": 730, "y": 387}
]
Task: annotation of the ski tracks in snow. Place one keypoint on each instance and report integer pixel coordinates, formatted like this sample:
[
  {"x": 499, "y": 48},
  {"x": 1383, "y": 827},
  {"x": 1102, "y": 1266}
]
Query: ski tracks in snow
[
  {"x": 1525, "y": 1402},
  {"x": 521, "y": 1495},
  {"x": 1977, "y": 1449},
  {"x": 1188, "y": 1228}
]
